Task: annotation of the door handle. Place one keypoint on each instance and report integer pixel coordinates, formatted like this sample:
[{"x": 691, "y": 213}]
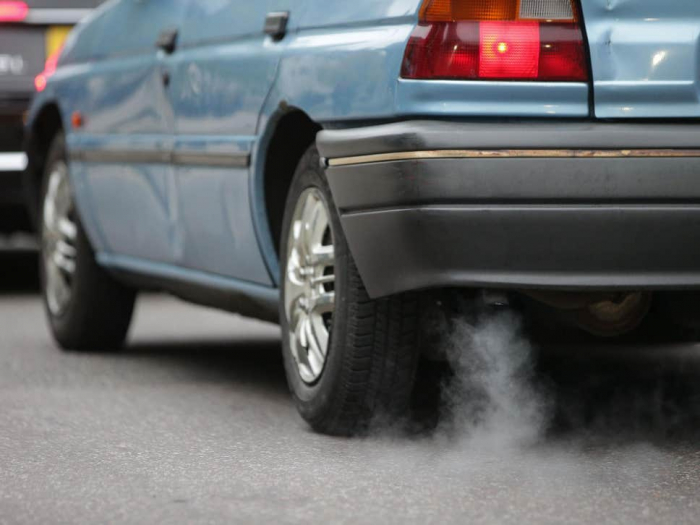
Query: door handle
[
  {"x": 276, "y": 24},
  {"x": 167, "y": 40}
]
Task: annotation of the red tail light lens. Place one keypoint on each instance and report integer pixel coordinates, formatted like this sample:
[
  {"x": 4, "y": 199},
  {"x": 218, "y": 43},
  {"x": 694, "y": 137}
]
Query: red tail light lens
[
  {"x": 13, "y": 11},
  {"x": 509, "y": 50},
  {"x": 520, "y": 49},
  {"x": 42, "y": 79}
]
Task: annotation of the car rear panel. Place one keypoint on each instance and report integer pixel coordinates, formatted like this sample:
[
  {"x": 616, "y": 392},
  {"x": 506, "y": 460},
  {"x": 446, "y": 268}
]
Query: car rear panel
[
  {"x": 645, "y": 57},
  {"x": 25, "y": 46},
  {"x": 22, "y": 56}
]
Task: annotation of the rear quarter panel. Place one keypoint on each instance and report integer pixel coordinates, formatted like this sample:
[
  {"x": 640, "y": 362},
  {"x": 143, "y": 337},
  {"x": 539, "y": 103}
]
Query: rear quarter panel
[
  {"x": 344, "y": 63},
  {"x": 341, "y": 65},
  {"x": 645, "y": 56},
  {"x": 345, "y": 58}
]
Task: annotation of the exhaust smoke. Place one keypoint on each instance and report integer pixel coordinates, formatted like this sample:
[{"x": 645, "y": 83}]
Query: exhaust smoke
[
  {"x": 492, "y": 396},
  {"x": 547, "y": 435}
]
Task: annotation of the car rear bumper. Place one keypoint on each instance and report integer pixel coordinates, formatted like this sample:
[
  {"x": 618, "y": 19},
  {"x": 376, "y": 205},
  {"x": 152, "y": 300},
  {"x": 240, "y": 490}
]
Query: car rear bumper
[
  {"x": 566, "y": 205},
  {"x": 13, "y": 160}
]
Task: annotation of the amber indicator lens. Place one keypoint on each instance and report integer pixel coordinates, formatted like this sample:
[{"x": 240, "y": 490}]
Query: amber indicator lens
[
  {"x": 77, "y": 120},
  {"x": 453, "y": 11}
]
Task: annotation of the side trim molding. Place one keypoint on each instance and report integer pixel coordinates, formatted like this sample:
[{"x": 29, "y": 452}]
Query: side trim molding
[
  {"x": 231, "y": 160},
  {"x": 179, "y": 158},
  {"x": 121, "y": 156},
  {"x": 514, "y": 153}
]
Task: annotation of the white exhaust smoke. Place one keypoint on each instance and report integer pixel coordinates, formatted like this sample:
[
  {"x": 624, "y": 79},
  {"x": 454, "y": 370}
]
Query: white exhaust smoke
[{"x": 493, "y": 397}]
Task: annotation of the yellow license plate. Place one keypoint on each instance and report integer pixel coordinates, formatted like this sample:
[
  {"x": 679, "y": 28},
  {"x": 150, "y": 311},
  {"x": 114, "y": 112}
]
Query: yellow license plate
[{"x": 55, "y": 37}]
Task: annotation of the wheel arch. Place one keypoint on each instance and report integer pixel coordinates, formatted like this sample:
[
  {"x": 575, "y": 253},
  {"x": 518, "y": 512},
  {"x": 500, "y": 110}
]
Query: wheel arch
[
  {"x": 288, "y": 134},
  {"x": 40, "y": 134}
]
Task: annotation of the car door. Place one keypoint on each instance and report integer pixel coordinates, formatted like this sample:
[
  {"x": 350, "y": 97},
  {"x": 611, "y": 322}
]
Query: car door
[
  {"x": 221, "y": 74},
  {"x": 122, "y": 153},
  {"x": 644, "y": 55}
]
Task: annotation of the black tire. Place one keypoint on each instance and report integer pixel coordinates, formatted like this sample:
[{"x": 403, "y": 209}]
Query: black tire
[
  {"x": 373, "y": 349},
  {"x": 99, "y": 310}
]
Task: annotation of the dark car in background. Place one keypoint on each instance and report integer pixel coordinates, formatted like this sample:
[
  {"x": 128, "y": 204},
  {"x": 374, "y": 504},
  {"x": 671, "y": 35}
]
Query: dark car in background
[{"x": 32, "y": 33}]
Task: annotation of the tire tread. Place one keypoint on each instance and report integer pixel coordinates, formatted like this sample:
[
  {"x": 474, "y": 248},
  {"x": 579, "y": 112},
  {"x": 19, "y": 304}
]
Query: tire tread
[
  {"x": 100, "y": 310},
  {"x": 380, "y": 348}
]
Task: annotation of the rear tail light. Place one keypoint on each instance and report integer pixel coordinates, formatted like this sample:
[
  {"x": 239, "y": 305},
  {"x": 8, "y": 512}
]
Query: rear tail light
[
  {"x": 535, "y": 40},
  {"x": 13, "y": 11},
  {"x": 42, "y": 79}
]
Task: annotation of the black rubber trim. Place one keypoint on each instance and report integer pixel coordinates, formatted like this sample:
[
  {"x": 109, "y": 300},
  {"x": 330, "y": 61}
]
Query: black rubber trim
[
  {"x": 578, "y": 247},
  {"x": 200, "y": 293},
  {"x": 422, "y": 135},
  {"x": 516, "y": 180}
]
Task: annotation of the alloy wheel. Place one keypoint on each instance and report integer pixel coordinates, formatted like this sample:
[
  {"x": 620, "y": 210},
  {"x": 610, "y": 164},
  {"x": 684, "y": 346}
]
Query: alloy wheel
[
  {"x": 309, "y": 287},
  {"x": 59, "y": 235}
]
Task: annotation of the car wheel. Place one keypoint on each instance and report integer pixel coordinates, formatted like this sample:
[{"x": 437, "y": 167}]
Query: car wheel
[
  {"x": 350, "y": 360},
  {"x": 87, "y": 309}
]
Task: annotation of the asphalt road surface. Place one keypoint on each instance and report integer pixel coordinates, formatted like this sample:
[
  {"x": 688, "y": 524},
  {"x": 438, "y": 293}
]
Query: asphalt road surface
[{"x": 192, "y": 423}]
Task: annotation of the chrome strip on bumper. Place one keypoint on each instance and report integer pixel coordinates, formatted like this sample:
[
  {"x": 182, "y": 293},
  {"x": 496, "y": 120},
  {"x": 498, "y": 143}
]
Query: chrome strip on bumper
[{"x": 514, "y": 153}]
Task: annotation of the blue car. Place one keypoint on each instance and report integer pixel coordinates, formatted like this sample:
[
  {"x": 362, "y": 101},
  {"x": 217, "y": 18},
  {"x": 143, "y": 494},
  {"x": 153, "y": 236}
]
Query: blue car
[{"x": 325, "y": 165}]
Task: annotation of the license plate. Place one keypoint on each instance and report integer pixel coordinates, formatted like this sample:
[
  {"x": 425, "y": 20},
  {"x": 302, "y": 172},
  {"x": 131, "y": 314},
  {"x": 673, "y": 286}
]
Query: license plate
[
  {"x": 23, "y": 54},
  {"x": 22, "y": 51}
]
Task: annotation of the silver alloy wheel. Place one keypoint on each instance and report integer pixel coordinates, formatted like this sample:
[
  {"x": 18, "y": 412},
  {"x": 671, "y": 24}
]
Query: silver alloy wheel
[
  {"x": 59, "y": 234},
  {"x": 309, "y": 291}
]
